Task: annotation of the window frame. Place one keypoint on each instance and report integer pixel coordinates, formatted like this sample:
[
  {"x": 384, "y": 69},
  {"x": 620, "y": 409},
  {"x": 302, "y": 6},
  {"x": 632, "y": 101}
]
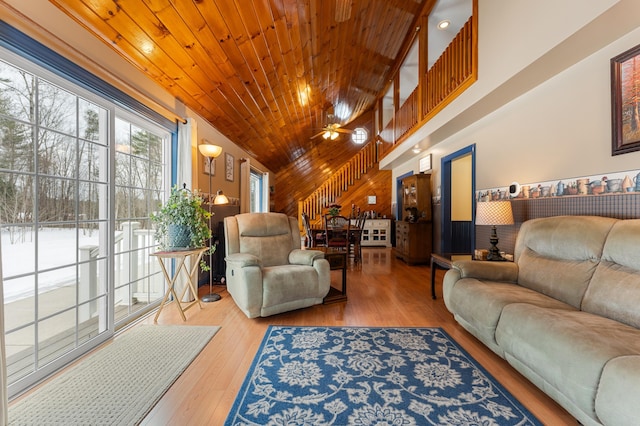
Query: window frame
[{"x": 24, "y": 52}]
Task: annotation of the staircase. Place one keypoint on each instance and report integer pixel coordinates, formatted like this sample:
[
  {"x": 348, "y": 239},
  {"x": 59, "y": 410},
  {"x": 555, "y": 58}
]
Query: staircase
[{"x": 331, "y": 190}]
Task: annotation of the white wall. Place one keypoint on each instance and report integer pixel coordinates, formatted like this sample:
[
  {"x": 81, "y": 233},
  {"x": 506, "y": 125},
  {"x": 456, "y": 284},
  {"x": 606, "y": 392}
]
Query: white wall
[{"x": 540, "y": 109}]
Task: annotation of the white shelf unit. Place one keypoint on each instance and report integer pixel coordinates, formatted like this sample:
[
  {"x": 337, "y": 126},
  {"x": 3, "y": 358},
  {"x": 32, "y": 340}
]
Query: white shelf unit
[{"x": 376, "y": 232}]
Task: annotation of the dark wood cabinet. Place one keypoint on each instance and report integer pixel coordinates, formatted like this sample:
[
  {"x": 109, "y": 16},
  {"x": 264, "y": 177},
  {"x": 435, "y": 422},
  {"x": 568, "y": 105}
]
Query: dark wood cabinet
[
  {"x": 413, "y": 242},
  {"x": 416, "y": 193},
  {"x": 414, "y": 239}
]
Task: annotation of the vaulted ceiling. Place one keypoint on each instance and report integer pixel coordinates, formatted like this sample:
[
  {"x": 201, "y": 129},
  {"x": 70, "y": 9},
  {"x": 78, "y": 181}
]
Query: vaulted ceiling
[{"x": 265, "y": 73}]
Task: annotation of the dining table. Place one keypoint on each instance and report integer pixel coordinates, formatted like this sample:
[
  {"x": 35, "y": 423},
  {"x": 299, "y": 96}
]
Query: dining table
[{"x": 317, "y": 233}]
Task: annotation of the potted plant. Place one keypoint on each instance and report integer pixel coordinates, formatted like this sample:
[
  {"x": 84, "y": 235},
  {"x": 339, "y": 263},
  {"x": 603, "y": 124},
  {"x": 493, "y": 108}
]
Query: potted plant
[
  {"x": 182, "y": 222},
  {"x": 334, "y": 209}
]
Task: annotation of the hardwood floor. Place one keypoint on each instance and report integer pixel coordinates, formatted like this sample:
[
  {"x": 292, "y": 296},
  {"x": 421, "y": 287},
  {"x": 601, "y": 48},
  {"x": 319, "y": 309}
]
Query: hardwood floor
[{"x": 383, "y": 291}]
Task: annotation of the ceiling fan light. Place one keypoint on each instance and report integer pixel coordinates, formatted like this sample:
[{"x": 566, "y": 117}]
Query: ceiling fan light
[
  {"x": 327, "y": 134},
  {"x": 334, "y": 135}
]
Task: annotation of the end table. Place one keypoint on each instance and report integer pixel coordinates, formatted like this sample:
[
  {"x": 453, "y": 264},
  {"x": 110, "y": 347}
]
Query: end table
[
  {"x": 337, "y": 261},
  {"x": 181, "y": 256}
]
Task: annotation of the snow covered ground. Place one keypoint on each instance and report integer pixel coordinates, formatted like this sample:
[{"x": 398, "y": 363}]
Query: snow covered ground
[{"x": 56, "y": 247}]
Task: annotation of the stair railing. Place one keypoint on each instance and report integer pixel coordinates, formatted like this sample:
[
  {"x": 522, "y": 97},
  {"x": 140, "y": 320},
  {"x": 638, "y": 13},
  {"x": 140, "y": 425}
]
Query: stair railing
[{"x": 336, "y": 184}]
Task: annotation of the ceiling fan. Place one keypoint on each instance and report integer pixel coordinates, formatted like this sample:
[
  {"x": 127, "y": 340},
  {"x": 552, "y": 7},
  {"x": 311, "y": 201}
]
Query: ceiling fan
[{"x": 332, "y": 130}]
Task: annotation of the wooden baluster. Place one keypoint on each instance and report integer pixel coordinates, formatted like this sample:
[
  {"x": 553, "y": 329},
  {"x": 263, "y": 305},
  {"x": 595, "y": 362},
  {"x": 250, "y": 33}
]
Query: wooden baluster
[
  {"x": 335, "y": 187},
  {"x": 331, "y": 190},
  {"x": 367, "y": 159}
]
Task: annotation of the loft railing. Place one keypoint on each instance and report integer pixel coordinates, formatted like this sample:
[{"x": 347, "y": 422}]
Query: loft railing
[
  {"x": 346, "y": 176},
  {"x": 407, "y": 116},
  {"x": 453, "y": 72}
]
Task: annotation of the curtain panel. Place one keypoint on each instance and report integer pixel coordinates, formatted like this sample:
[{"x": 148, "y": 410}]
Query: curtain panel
[
  {"x": 245, "y": 185},
  {"x": 187, "y": 151}
]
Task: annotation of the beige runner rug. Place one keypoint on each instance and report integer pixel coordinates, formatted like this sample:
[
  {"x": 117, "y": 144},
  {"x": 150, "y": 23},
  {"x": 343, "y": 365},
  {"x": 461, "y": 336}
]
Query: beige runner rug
[{"x": 120, "y": 383}]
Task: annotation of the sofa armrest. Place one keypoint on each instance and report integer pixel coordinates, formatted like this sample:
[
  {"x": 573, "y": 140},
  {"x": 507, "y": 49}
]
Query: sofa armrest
[
  {"x": 617, "y": 395},
  {"x": 240, "y": 260},
  {"x": 487, "y": 270},
  {"x": 244, "y": 282},
  {"x": 304, "y": 257}
]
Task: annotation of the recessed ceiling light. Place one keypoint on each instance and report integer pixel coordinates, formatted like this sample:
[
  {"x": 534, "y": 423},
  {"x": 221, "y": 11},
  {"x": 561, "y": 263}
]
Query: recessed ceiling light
[
  {"x": 443, "y": 24},
  {"x": 147, "y": 47}
]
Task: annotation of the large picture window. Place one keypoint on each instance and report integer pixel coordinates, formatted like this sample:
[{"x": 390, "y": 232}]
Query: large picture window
[{"x": 79, "y": 177}]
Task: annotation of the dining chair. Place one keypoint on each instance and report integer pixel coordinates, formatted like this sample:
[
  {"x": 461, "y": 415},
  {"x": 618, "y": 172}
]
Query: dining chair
[
  {"x": 336, "y": 231},
  {"x": 309, "y": 243},
  {"x": 355, "y": 237}
]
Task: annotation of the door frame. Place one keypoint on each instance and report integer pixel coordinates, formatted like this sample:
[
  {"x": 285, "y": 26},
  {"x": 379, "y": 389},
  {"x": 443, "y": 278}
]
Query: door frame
[{"x": 445, "y": 201}]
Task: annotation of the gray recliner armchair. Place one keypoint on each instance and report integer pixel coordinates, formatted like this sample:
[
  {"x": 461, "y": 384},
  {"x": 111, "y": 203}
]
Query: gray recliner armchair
[{"x": 267, "y": 271}]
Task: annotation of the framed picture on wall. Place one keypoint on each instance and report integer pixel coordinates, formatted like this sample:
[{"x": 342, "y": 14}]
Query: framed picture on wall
[
  {"x": 209, "y": 167},
  {"x": 625, "y": 112},
  {"x": 228, "y": 166}
]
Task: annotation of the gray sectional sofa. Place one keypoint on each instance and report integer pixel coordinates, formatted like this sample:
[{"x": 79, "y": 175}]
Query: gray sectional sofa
[{"x": 565, "y": 313}]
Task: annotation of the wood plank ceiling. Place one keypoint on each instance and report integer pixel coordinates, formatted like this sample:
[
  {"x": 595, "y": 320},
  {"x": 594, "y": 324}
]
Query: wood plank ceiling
[{"x": 265, "y": 73}]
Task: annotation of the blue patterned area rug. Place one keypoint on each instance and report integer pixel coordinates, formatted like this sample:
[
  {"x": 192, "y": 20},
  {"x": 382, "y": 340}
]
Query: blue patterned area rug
[{"x": 370, "y": 376}]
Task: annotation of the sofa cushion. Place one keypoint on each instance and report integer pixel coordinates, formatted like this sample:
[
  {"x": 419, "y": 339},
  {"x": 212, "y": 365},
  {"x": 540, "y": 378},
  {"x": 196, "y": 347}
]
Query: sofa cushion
[
  {"x": 566, "y": 349},
  {"x": 614, "y": 291},
  {"x": 479, "y": 304},
  {"x": 266, "y": 236},
  {"x": 558, "y": 256}
]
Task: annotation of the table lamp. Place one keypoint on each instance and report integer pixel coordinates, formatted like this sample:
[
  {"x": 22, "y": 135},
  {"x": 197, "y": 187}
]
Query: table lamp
[
  {"x": 494, "y": 213},
  {"x": 220, "y": 198}
]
